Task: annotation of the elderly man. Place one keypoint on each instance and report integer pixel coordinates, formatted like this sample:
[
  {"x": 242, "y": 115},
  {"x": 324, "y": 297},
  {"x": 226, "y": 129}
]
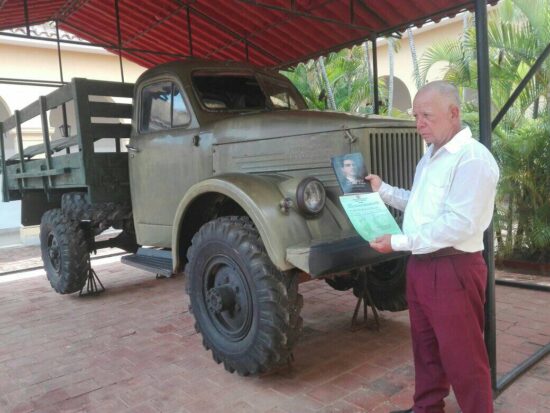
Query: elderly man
[{"x": 446, "y": 212}]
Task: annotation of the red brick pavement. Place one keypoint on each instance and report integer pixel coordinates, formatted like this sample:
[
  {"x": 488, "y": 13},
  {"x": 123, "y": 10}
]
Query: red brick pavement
[{"x": 134, "y": 349}]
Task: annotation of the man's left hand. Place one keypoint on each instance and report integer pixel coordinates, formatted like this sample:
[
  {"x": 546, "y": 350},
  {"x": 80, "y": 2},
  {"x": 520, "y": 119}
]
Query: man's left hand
[{"x": 382, "y": 244}]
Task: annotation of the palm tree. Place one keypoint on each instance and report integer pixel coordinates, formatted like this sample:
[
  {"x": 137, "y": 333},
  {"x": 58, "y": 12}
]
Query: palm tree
[
  {"x": 323, "y": 70},
  {"x": 391, "y": 51},
  {"x": 518, "y": 32},
  {"x": 350, "y": 79},
  {"x": 308, "y": 82},
  {"x": 342, "y": 77},
  {"x": 414, "y": 58},
  {"x": 517, "y": 36},
  {"x": 369, "y": 75}
]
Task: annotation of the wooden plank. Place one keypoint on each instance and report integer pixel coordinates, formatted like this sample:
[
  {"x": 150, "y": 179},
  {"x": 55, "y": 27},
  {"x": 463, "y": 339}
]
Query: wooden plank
[
  {"x": 111, "y": 110},
  {"x": 71, "y": 163},
  {"x": 105, "y": 88},
  {"x": 39, "y": 174},
  {"x": 46, "y": 135},
  {"x": 25, "y": 114},
  {"x": 110, "y": 130},
  {"x": 55, "y": 146},
  {"x": 59, "y": 96},
  {"x": 19, "y": 140},
  {"x": 54, "y": 99},
  {"x": 83, "y": 129}
]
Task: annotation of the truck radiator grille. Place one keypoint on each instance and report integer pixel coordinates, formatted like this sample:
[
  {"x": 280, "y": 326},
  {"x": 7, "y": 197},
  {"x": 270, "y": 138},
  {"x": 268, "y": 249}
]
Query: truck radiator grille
[{"x": 394, "y": 155}]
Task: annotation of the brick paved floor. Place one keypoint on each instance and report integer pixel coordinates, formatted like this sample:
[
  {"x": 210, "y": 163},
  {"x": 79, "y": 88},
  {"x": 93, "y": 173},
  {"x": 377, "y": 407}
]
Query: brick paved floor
[{"x": 134, "y": 349}]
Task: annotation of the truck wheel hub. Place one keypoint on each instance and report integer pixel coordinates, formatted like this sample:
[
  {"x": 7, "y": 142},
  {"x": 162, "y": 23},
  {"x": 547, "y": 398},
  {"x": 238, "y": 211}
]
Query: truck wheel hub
[
  {"x": 227, "y": 298},
  {"x": 53, "y": 253},
  {"x": 221, "y": 298}
]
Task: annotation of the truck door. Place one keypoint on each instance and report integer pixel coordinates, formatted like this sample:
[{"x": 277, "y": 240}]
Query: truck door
[{"x": 162, "y": 153}]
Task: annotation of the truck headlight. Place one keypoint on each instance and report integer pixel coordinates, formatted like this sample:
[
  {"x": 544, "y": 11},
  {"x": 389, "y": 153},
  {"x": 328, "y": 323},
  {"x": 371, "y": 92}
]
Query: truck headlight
[{"x": 310, "y": 196}]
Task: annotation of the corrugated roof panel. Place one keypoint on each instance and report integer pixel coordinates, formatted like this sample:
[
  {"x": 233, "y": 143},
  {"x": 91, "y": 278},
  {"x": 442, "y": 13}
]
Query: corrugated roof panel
[{"x": 273, "y": 33}]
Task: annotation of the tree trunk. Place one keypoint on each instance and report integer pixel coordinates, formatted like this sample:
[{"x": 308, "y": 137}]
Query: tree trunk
[
  {"x": 390, "y": 82},
  {"x": 498, "y": 231},
  {"x": 536, "y": 107},
  {"x": 510, "y": 225},
  {"x": 414, "y": 57},
  {"x": 330, "y": 94},
  {"x": 369, "y": 75}
]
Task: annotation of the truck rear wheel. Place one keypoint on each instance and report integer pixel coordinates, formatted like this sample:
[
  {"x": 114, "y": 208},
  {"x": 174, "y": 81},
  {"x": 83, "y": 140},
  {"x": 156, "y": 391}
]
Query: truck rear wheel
[
  {"x": 247, "y": 311},
  {"x": 64, "y": 252},
  {"x": 387, "y": 284}
]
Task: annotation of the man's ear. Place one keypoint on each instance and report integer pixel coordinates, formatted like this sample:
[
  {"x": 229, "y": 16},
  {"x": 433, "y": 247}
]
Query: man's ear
[{"x": 455, "y": 112}]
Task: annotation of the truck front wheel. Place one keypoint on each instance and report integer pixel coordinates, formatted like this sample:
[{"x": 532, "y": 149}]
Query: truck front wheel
[
  {"x": 64, "y": 252},
  {"x": 245, "y": 308}
]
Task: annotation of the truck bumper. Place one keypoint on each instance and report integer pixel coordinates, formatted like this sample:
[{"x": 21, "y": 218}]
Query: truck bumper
[{"x": 323, "y": 257}]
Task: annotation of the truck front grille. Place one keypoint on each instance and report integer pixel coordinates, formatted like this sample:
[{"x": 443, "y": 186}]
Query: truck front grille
[{"x": 394, "y": 155}]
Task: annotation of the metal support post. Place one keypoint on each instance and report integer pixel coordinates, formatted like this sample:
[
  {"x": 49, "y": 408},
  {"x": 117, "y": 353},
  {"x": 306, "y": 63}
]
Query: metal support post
[
  {"x": 119, "y": 38},
  {"x": 59, "y": 51},
  {"x": 484, "y": 104}
]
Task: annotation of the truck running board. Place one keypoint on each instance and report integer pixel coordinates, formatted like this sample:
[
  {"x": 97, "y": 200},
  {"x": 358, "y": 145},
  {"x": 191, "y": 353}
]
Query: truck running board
[{"x": 152, "y": 260}]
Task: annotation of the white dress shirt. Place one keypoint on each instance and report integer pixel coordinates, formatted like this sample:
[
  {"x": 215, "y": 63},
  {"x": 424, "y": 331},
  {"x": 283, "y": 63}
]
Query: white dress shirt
[{"x": 452, "y": 198}]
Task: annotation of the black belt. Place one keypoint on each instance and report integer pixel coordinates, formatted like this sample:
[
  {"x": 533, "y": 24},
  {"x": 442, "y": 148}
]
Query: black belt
[{"x": 443, "y": 252}]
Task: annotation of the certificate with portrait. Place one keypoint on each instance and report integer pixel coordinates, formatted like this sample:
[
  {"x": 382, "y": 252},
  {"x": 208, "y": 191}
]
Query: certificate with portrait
[{"x": 369, "y": 215}]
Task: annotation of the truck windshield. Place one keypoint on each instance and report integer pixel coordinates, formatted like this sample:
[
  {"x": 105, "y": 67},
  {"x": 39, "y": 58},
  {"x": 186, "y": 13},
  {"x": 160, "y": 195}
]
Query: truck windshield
[{"x": 244, "y": 92}]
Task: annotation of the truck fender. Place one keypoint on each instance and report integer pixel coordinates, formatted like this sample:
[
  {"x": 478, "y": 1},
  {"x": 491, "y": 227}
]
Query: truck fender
[{"x": 259, "y": 196}]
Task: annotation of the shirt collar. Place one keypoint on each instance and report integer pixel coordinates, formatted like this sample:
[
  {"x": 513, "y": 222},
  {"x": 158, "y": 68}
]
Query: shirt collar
[{"x": 459, "y": 140}]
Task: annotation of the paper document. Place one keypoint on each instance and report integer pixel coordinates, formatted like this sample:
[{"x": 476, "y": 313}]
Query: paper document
[{"x": 369, "y": 215}]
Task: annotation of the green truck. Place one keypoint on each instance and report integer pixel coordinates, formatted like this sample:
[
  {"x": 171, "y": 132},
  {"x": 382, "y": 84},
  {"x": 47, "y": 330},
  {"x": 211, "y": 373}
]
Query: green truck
[{"x": 216, "y": 170}]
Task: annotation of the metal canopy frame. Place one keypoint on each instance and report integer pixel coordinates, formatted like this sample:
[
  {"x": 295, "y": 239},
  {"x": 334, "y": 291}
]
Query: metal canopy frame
[
  {"x": 191, "y": 13},
  {"x": 243, "y": 25}
]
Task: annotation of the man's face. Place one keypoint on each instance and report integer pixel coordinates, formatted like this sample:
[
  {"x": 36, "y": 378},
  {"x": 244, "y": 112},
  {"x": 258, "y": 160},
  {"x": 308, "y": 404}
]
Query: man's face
[
  {"x": 436, "y": 118},
  {"x": 348, "y": 167}
]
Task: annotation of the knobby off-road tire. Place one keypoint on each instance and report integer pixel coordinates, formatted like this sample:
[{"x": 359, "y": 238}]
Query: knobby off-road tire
[
  {"x": 342, "y": 283},
  {"x": 76, "y": 206},
  {"x": 64, "y": 252},
  {"x": 387, "y": 284},
  {"x": 247, "y": 311}
]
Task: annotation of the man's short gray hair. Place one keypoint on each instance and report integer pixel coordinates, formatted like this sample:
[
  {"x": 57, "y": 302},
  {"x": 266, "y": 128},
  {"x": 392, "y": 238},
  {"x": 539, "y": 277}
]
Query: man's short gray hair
[{"x": 444, "y": 89}]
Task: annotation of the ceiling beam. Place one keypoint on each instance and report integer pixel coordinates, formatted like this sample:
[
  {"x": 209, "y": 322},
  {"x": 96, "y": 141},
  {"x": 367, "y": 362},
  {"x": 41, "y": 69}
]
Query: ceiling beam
[
  {"x": 154, "y": 25},
  {"x": 237, "y": 36},
  {"x": 370, "y": 11},
  {"x": 68, "y": 8},
  {"x": 292, "y": 11}
]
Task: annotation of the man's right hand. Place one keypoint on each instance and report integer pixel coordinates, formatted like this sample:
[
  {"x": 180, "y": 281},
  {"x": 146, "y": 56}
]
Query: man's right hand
[{"x": 375, "y": 181}]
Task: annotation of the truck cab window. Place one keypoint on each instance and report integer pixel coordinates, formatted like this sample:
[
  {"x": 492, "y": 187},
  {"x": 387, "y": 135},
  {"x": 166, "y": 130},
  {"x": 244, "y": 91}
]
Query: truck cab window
[
  {"x": 162, "y": 107},
  {"x": 282, "y": 95},
  {"x": 229, "y": 92},
  {"x": 180, "y": 114}
]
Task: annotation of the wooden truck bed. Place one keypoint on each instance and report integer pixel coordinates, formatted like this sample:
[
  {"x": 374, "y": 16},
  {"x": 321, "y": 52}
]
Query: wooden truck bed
[{"x": 72, "y": 163}]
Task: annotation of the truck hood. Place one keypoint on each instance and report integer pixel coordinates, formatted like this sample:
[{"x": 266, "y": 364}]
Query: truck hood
[{"x": 276, "y": 124}]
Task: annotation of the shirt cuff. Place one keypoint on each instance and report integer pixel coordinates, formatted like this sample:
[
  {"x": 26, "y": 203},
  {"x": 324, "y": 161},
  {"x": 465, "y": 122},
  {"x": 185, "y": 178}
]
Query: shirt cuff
[
  {"x": 384, "y": 191},
  {"x": 400, "y": 243}
]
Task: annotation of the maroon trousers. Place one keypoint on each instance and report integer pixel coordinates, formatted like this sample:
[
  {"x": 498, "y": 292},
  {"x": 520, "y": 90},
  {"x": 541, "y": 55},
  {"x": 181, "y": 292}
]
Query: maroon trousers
[{"x": 446, "y": 297}]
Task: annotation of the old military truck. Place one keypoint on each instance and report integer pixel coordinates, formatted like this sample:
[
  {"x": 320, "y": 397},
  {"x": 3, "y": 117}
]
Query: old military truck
[{"x": 226, "y": 178}]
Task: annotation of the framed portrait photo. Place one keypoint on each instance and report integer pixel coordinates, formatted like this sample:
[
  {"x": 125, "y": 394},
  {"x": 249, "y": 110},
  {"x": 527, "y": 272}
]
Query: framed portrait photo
[{"x": 350, "y": 170}]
